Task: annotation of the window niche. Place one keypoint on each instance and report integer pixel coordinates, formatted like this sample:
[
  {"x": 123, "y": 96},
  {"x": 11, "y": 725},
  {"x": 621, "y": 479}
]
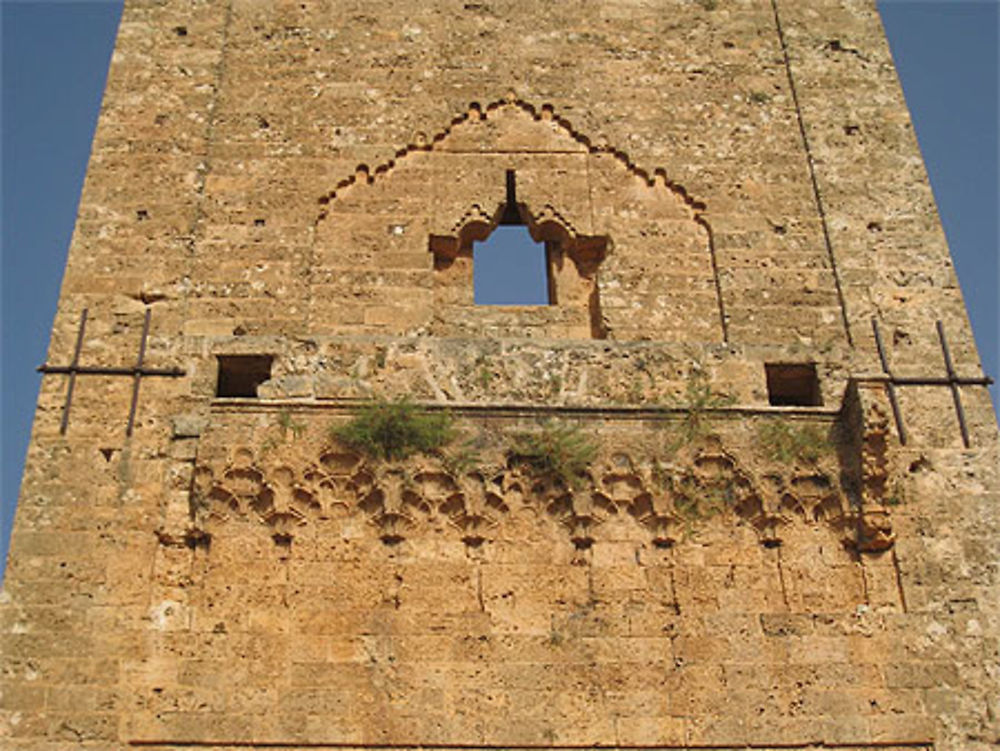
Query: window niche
[
  {"x": 240, "y": 375},
  {"x": 515, "y": 258},
  {"x": 792, "y": 385}
]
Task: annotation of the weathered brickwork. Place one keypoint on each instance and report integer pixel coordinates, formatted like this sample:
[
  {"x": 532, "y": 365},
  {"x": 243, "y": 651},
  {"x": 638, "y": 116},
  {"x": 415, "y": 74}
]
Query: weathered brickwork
[{"x": 765, "y": 510}]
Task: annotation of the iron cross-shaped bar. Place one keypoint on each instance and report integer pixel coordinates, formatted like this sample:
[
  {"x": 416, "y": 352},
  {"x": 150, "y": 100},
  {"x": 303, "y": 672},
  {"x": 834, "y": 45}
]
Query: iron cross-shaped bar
[
  {"x": 137, "y": 372},
  {"x": 952, "y": 380}
]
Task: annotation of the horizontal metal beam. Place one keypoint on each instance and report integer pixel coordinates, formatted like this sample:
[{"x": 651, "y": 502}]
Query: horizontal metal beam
[
  {"x": 925, "y": 381},
  {"x": 93, "y": 370}
]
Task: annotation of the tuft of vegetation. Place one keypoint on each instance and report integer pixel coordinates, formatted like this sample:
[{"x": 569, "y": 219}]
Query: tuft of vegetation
[
  {"x": 557, "y": 449},
  {"x": 695, "y": 501},
  {"x": 759, "y": 97},
  {"x": 635, "y": 392},
  {"x": 395, "y": 429},
  {"x": 698, "y": 400},
  {"x": 484, "y": 374},
  {"x": 661, "y": 475},
  {"x": 286, "y": 424},
  {"x": 787, "y": 443},
  {"x": 270, "y": 444},
  {"x": 895, "y": 496},
  {"x": 465, "y": 457}
]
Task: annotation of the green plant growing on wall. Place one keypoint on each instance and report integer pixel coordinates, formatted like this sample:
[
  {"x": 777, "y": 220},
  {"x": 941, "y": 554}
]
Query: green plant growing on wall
[
  {"x": 694, "y": 501},
  {"x": 286, "y": 424},
  {"x": 786, "y": 443},
  {"x": 634, "y": 395},
  {"x": 395, "y": 429},
  {"x": 660, "y": 474},
  {"x": 555, "y": 638},
  {"x": 558, "y": 449},
  {"x": 699, "y": 399},
  {"x": 484, "y": 372},
  {"x": 895, "y": 495},
  {"x": 465, "y": 457}
]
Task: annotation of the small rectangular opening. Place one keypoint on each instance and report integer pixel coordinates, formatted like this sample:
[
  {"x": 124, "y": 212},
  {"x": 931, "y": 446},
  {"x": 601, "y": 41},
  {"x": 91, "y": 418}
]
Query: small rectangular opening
[
  {"x": 792, "y": 385},
  {"x": 240, "y": 375}
]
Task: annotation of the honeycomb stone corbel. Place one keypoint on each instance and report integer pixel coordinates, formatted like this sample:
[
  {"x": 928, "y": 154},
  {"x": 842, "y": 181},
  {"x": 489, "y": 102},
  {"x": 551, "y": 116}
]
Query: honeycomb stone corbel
[
  {"x": 702, "y": 481},
  {"x": 474, "y": 508},
  {"x": 868, "y": 425},
  {"x": 393, "y": 501}
]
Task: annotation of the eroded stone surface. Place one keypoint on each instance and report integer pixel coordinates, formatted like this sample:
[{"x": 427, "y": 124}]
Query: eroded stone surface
[{"x": 305, "y": 181}]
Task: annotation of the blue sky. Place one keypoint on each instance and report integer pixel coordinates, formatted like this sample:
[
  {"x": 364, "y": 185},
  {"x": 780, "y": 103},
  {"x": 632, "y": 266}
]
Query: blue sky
[{"x": 55, "y": 57}]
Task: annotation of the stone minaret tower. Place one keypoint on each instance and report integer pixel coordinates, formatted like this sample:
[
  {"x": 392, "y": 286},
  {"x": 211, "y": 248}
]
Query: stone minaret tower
[{"x": 733, "y": 486}]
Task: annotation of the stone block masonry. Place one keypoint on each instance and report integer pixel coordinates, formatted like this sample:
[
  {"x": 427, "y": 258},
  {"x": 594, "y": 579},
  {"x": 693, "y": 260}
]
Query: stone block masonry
[{"x": 736, "y": 486}]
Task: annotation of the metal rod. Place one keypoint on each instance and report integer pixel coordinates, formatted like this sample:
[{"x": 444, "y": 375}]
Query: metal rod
[
  {"x": 64, "y": 424},
  {"x": 924, "y": 381},
  {"x": 953, "y": 382},
  {"x": 811, "y": 162},
  {"x": 137, "y": 372},
  {"x": 511, "y": 212},
  {"x": 94, "y": 370},
  {"x": 137, "y": 377},
  {"x": 881, "y": 349},
  {"x": 890, "y": 385}
]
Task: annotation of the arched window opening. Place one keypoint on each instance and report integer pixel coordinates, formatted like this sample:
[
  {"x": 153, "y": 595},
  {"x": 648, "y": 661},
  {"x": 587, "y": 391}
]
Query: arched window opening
[
  {"x": 516, "y": 258},
  {"x": 510, "y": 268}
]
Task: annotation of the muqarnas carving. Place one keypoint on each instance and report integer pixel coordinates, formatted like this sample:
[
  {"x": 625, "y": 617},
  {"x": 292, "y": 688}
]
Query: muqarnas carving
[{"x": 666, "y": 496}]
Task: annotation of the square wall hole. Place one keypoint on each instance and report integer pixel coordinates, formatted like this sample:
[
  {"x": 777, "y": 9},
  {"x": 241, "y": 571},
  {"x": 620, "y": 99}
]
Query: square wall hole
[
  {"x": 792, "y": 385},
  {"x": 240, "y": 375}
]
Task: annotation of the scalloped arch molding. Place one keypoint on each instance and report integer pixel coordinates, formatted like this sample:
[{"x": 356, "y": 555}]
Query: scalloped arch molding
[
  {"x": 476, "y": 113},
  {"x": 660, "y": 254}
]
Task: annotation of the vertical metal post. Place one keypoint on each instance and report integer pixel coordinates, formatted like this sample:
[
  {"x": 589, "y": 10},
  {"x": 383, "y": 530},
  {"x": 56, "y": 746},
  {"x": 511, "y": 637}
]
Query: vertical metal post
[
  {"x": 137, "y": 374},
  {"x": 953, "y": 383},
  {"x": 890, "y": 386},
  {"x": 72, "y": 373}
]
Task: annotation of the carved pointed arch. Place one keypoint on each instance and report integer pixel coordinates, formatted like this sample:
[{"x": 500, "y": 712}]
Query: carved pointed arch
[
  {"x": 477, "y": 113},
  {"x": 572, "y": 258},
  {"x": 618, "y": 227}
]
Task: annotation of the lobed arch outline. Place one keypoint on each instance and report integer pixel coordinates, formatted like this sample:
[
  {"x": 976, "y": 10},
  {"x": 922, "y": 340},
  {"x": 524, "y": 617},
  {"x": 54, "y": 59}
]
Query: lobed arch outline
[
  {"x": 545, "y": 225},
  {"x": 563, "y": 244},
  {"x": 546, "y": 112},
  {"x": 547, "y": 215}
]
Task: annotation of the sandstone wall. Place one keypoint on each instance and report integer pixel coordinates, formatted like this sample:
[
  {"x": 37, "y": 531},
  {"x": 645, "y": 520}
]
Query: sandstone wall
[{"x": 721, "y": 186}]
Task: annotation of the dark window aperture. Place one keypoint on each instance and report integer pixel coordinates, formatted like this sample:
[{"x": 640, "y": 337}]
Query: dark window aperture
[
  {"x": 240, "y": 375},
  {"x": 792, "y": 385}
]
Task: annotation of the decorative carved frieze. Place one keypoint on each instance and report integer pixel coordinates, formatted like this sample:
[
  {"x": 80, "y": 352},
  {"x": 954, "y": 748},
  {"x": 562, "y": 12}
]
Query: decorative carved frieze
[{"x": 665, "y": 497}]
